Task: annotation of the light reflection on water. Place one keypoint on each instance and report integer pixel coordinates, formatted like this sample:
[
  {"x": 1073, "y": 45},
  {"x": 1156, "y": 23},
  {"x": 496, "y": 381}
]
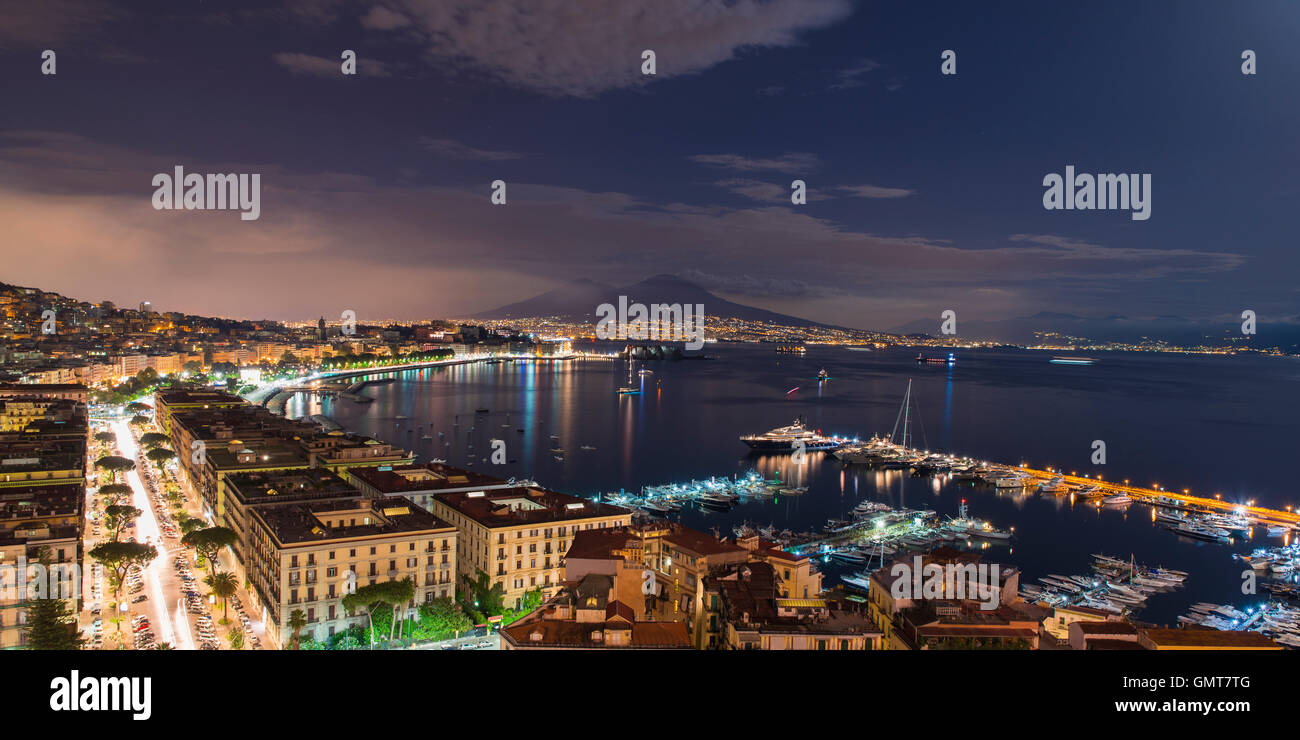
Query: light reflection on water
[{"x": 1167, "y": 418}]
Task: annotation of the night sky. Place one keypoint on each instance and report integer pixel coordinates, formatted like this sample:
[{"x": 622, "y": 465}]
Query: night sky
[{"x": 925, "y": 190}]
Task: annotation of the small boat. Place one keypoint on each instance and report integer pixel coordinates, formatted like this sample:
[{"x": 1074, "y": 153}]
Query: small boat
[
  {"x": 587, "y": 448},
  {"x": 480, "y": 411},
  {"x": 858, "y": 581},
  {"x": 1055, "y": 485},
  {"x": 823, "y": 375},
  {"x": 1118, "y": 499},
  {"x": 628, "y": 391}
]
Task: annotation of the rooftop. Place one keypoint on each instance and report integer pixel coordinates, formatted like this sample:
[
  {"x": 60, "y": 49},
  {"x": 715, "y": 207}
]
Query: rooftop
[
  {"x": 700, "y": 543},
  {"x": 511, "y": 507},
  {"x": 300, "y": 523},
  {"x": 188, "y": 396},
  {"x": 564, "y": 633},
  {"x": 1181, "y": 637},
  {"x": 297, "y": 485},
  {"x": 433, "y": 478}
]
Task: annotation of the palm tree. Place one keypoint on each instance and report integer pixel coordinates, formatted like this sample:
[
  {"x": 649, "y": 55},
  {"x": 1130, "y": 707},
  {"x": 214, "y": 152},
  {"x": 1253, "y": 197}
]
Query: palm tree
[
  {"x": 297, "y": 620},
  {"x": 164, "y": 646},
  {"x": 223, "y": 585}
]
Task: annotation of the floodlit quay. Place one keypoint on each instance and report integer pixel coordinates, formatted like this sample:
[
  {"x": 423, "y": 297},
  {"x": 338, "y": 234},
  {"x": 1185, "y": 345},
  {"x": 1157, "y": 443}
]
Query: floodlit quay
[{"x": 1260, "y": 514}]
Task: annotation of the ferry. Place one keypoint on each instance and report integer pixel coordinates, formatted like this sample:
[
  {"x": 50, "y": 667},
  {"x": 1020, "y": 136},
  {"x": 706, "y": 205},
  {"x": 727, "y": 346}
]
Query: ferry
[
  {"x": 951, "y": 360},
  {"x": 791, "y": 349},
  {"x": 788, "y": 438},
  {"x": 1072, "y": 360}
]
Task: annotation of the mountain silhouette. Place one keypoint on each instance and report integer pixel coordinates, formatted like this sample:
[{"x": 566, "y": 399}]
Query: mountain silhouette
[{"x": 579, "y": 300}]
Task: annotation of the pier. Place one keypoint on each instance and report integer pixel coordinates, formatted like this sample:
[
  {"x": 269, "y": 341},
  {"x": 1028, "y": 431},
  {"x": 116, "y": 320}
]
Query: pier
[{"x": 1149, "y": 495}]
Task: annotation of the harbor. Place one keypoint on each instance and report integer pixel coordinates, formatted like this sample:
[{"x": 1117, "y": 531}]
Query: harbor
[{"x": 578, "y": 435}]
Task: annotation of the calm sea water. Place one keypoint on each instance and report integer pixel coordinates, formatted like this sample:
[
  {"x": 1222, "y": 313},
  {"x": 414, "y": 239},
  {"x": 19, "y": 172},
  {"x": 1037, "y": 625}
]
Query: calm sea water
[{"x": 1210, "y": 424}]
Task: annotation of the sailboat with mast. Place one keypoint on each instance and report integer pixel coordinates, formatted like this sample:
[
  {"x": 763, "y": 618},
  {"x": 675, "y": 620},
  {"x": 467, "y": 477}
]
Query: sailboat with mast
[
  {"x": 892, "y": 451},
  {"x": 629, "y": 389}
]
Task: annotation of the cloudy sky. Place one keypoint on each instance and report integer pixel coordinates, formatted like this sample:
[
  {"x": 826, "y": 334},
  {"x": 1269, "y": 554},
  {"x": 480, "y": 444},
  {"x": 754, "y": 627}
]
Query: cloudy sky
[{"x": 925, "y": 191}]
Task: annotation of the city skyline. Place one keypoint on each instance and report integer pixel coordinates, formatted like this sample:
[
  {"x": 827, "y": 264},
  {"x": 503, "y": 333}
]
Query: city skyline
[{"x": 925, "y": 191}]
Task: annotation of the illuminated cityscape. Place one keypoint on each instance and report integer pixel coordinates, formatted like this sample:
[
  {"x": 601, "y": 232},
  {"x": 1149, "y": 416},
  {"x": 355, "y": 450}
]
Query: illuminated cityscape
[{"x": 381, "y": 331}]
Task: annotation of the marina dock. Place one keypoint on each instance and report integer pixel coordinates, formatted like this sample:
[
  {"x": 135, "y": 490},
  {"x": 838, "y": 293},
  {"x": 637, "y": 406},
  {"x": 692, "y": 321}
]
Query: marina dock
[{"x": 1153, "y": 496}]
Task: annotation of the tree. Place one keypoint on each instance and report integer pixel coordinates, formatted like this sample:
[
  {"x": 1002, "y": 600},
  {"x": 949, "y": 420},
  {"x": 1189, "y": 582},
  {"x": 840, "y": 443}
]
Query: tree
[
  {"x": 443, "y": 618},
  {"x": 163, "y": 646},
  {"x": 189, "y": 523},
  {"x": 136, "y": 407},
  {"x": 114, "y": 465},
  {"x": 138, "y": 420},
  {"x": 483, "y": 596},
  {"x": 298, "y": 620},
  {"x": 531, "y": 600},
  {"x": 397, "y": 595},
  {"x": 208, "y": 542},
  {"x": 119, "y": 556},
  {"x": 50, "y": 624},
  {"x": 160, "y": 455},
  {"x": 154, "y": 439},
  {"x": 223, "y": 585},
  {"x": 193, "y": 367},
  {"x": 147, "y": 375},
  {"x": 393, "y": 593},
  {"x": 117, "y": 517},
  {"x": 115, "y": 490},
  {"x": 236, "y": 638},
  {"x": 105, "y": 437}
]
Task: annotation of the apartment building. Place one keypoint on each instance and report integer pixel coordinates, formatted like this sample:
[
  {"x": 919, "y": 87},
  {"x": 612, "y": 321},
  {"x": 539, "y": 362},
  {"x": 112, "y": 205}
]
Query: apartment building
[
  {"x": 745, "y": 611},
  {"x": 420, "y": 483},
  {"x": 308, "y": 555},
  {"x": 519, "y": 535},
  {"x": 36, "y": 520},
  {"x": 42, "y": 497},
  {"x": 596, "y": 612},
  {"x": 168, "y": 401}
]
